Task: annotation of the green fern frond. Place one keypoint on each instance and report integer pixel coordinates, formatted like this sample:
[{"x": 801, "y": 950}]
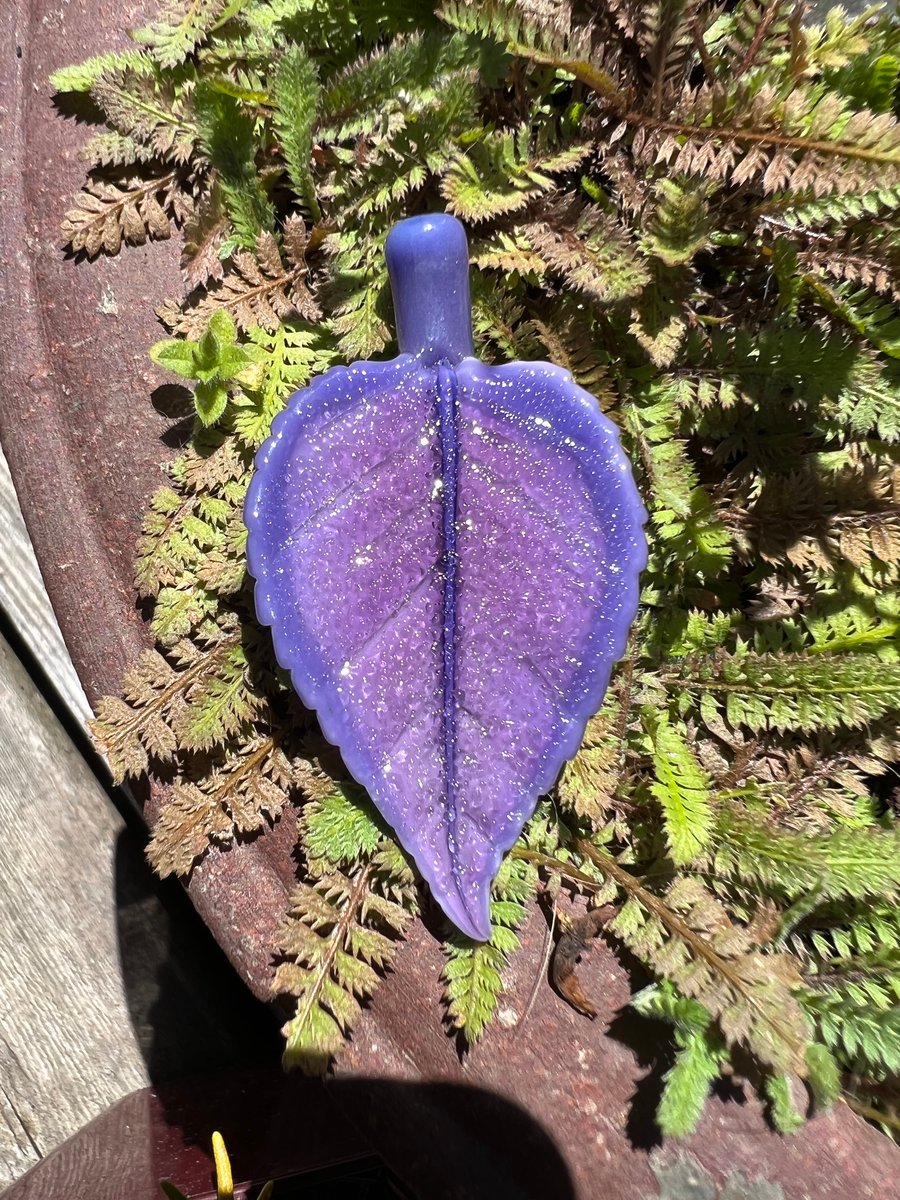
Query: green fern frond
[
  {"x": 783, "y": 1112},
  {"x": 699, "y": 1056},
  {"x": 293, "y": 352},
  {"x": 497, "y": 323},
  {"x": 661, "y": 313},
  {"x": 220, "y": 702},
  {"x": 229, "y": 138},
  {"x": 842, "y": 863},
  {"x": 789, "y": 692},
  {"x": 418, "y": 146},
  {"x": 178, "y": 28},
  {"x": 569, "y": 332},
  {"x": 839, "y": 208},
  {"x": 406, "y": 74},
  {"x": 339, "y": 936},
  {"x": 358, "y": 296},
  {"x": 864, "y": 1037},
  {"x": 147, "y": 105},
  {"x": 548, "y": 29},
  {"x": 691, "y": 535},
  {"x": 340, "y": 829},
  {"x": 874, "y": 318},
  {"x": 590, "y": 780},
  {"x": 838, "y": 41},
  {"x": 180, "y": 611},
  {"x": 871, "y": 82},
  {"x": 752, "y": 35},
  {"x": 547, "y": 38},
  {"x": 678, "y": 225},
  {"x": 588, "y": 248},
  {"x": 681, "y": 788},
  {"x": 750, "y": 133},
  {"x": 295, "y": 94},
  {"x": 473, "y": 973},
  {"x": 502, "y": 173},
  {"x": 175, "y": 537},
  {"x": 130, "y": 731},
  {"x": 113, "y": 149},
  {"x": 687, "y": 938},
  {"x": 81, "y": 78}
]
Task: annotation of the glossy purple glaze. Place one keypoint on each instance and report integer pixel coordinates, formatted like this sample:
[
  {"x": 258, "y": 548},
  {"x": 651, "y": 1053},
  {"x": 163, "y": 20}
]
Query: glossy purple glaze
[{"x": 448, "y": 555}]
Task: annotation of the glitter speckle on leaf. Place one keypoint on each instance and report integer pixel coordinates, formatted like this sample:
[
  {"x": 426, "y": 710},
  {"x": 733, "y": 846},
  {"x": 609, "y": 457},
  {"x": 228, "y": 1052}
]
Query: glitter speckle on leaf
[{"x": 448, "y": 556}]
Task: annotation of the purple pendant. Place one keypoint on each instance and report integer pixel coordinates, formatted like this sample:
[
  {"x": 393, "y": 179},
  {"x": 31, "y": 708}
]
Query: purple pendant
[{"x": 448, "y": 556}]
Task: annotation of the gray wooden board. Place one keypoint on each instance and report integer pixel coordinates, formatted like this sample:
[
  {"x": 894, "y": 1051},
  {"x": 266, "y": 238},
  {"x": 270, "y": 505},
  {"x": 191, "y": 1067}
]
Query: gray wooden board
[
  {"x": 102, "y": 968},
  {"x": 25, "y": 603},
  {"x": 67, "y": 1048}
]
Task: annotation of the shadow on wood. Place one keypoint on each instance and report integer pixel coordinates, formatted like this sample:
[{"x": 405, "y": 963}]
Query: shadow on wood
[{"x": 188, "y": 1009}]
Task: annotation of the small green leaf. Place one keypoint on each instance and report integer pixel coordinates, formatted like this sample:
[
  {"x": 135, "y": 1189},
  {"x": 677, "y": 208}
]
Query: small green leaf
[
  {"x": 210, "y": 401},
  {"x": 340, "y": 827},
  {"x": 171, "y": 1191},
  {"x": 785, "y": 1116},
  {"x": 824, "y": 1074},
  {"x": 681, "y": 787},
  {"x": 686, "y": 1085},
  {"x": 473, "y": 973},
  {"x": 176, "y": 356}
]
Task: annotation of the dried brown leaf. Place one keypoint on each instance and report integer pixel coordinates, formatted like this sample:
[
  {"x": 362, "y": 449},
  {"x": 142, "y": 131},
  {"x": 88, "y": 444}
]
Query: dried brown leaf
[
  {"x": 106, "y": 214},
  {"x": 576, "y": 940},
  {"x": 256, "y": 289}
]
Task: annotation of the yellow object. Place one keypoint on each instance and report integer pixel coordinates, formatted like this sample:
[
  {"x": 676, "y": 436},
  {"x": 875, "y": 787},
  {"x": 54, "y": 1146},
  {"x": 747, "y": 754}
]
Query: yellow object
[{"x": 224, "y": 1181}]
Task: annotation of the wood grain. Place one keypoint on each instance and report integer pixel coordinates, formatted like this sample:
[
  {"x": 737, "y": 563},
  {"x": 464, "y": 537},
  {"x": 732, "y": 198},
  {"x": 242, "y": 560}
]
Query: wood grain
[
  {"x": 24, "y": 600},
  {"x": 67, "y": 1049}
]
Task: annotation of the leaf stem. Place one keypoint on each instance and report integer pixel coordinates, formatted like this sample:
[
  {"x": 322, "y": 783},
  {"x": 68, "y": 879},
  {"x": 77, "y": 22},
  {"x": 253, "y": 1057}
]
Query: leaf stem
[
  {"x": 336, "y": 942},
  {"x": 673, "y": 922}
]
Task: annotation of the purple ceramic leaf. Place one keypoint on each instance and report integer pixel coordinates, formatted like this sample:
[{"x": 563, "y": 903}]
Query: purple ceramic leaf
[{"x": 448, "y": 556}]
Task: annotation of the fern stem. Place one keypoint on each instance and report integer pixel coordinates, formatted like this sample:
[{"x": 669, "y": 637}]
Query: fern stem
[
  {"x": 336, "y": 942},
  {"x": 762, "y": 29},
  {"x": 247, "y": 766},
  {"x": 150, "y": 188},
  {"x": 876, "y": 1115},
  {"x": 565, "y": 869},
  {"x": 777, "y": 141},
  {"x": 186, "y": 677},
  {"x": 597, "y": 80}
]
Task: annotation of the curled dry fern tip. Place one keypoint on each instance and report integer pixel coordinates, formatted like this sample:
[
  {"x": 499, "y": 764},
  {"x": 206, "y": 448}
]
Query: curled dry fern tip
[{"x": 696, "y": 212}]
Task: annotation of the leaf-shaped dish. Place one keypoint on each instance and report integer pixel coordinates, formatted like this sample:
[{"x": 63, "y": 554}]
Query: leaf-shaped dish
[{"x": 448, "y": 555}]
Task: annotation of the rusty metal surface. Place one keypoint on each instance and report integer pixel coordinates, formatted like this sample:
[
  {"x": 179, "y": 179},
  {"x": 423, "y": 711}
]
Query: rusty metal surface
[
  {"x": 84, "y": 442},
  {"x": 85, "y": 447}
]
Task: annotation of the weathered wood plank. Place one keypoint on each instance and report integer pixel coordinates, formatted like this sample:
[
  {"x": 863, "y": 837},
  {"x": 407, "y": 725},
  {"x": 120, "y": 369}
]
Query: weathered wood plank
[
  {"x": 67, "y": 1049},
  {"x": 24, "y": 600}
]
